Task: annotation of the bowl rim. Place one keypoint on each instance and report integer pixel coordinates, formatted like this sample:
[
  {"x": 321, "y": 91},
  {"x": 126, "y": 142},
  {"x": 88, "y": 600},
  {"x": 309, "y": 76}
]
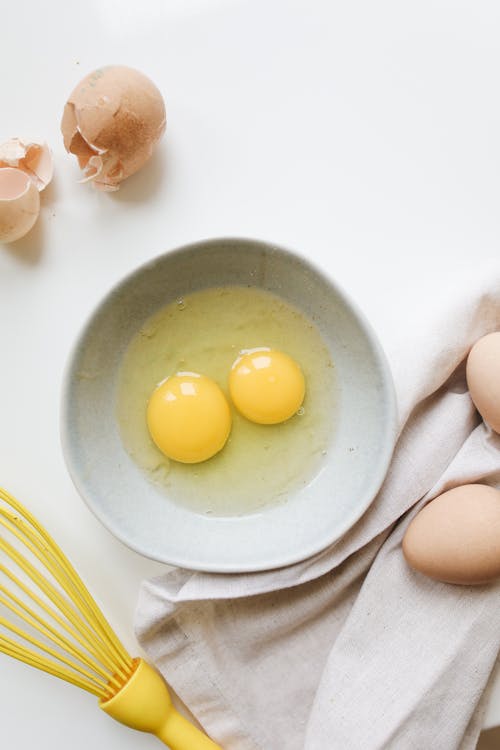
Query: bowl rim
[{"x": 389, "y": 437}]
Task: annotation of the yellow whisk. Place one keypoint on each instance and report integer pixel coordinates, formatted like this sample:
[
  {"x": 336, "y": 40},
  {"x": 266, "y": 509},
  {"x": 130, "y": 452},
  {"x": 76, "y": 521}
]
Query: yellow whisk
[{"x": 56, "y": 626}]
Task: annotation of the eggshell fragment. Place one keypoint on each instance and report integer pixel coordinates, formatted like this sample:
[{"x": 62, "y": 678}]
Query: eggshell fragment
[
  {"x": 483, "y": 378},
  {"x": 33, "y": 158},
  {"x": 456, "y": 537},
  {"x": 111, "y": 122},
  {"x": 19, "y": 204}
]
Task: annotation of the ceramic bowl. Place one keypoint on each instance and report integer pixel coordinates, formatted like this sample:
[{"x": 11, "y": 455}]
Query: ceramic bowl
[{"x": 137, "y": 511}]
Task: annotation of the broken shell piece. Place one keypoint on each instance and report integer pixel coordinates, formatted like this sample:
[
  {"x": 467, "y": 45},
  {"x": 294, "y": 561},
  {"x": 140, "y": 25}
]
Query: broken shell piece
[
  {"x": 34, "y": 159},
  {"x": 111, "y": 122},
  {"x": 19, "y": 204}
]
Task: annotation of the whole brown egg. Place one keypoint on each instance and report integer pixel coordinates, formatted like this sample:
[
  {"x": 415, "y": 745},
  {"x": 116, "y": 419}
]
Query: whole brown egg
[
  {"x": 456, "y": 537},
  {"x": 483, "y": 378}
]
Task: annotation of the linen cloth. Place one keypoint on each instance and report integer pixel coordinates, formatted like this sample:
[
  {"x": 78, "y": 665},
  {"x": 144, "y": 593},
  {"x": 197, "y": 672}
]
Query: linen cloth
[{"x": 351, "y": 649}]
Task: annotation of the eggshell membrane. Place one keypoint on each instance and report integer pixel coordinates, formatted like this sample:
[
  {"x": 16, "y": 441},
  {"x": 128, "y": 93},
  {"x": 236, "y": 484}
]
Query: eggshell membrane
[
  {"x": 456, "y": 537},
  {"x": 111, "y": 122},
  {"x": 19, "y": 204},
  {"x": 35, "y": 159},
  {"x": 483, "y": 378}
]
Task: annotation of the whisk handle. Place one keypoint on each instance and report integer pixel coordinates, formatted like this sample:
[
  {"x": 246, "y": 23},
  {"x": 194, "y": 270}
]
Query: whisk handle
[
  {"x": 144, "y": 703},
  {"x": 179, "y": 734}
]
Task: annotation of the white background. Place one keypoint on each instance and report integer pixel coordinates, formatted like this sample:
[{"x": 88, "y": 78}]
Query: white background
[{"x": 364, "y": 134}]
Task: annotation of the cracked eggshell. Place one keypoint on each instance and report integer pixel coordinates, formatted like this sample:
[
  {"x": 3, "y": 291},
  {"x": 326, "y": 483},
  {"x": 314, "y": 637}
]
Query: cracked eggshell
[
  {"x": 19, "y": 204},
  {"x": 35, "y": 159},
  {"x": 111, "y": 122}
]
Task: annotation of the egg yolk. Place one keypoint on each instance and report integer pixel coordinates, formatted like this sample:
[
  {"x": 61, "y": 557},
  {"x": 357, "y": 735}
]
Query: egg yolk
[
  {"x": 188, "y": 417},
  {"x": 266, "y": 386}
]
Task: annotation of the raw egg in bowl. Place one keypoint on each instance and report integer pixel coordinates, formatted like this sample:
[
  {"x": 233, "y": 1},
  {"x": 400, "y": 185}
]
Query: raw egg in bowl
[{"x": 226, "y": 408}]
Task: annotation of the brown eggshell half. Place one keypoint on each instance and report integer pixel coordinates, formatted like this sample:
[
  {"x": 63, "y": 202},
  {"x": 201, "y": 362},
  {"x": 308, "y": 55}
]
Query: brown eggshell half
[
  {"x": 456, "y": 537},
  {"x": 483, "y": 378},
  {"x": 111, "y": 122},
  {"x": 19, "y": 204}
]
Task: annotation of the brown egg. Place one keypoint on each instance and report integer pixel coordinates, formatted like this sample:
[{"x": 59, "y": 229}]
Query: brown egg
[
  {"x": 456, "y": 537},
  {"x": 111, "y": 122},
  {"x": 483, "y": 378}
]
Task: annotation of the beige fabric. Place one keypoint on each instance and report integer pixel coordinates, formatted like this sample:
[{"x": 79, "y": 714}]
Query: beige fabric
[{"x": 351, "y": 650}]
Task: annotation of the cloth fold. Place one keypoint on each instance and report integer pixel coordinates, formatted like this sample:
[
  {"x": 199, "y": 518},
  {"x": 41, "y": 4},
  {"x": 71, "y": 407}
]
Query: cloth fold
[{"x": 352, "y": 650}]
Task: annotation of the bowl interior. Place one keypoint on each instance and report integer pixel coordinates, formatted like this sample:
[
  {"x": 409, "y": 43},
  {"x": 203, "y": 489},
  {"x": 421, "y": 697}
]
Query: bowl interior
[{"x": 140, "y": 514}]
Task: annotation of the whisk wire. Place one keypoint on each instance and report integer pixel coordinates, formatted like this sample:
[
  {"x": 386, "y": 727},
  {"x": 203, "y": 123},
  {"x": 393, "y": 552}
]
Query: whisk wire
[
  {"x": 49, "y": 650},
  {"x": 11, "y": 648},
  {"x": 52, "y": 593},
  {"x": 72, "y": 584},
  {"x": 31, "y": 617},
  {"x": 81, "y": 618},
  {"x": 89, "y": 660}
]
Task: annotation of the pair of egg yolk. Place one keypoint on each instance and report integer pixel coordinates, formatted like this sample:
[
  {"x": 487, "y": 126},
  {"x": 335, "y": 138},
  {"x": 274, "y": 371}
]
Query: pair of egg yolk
[{"x": 189, "y": 417}]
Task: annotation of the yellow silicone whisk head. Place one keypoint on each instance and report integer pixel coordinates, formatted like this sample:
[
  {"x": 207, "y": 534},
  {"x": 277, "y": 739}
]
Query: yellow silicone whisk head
[{"x": 53, "y": 623}]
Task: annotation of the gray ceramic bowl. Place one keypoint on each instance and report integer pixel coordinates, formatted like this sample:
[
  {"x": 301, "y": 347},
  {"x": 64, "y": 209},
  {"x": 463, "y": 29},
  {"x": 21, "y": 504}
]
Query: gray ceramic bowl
[{"x": 135, "y": 510}]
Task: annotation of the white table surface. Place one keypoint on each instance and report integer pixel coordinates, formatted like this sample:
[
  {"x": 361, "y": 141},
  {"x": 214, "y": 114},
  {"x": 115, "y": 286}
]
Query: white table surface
[{"x": 364, "y": 134}]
